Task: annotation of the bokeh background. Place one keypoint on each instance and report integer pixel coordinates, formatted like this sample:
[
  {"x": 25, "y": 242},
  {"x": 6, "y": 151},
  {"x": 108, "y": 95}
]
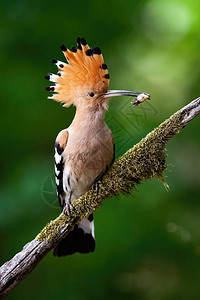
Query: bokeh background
[{"x": 148, "y": 246}]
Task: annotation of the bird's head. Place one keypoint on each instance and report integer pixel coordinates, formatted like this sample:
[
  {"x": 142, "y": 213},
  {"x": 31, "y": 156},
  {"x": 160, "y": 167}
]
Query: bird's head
[{"x": 84, "y": 80}]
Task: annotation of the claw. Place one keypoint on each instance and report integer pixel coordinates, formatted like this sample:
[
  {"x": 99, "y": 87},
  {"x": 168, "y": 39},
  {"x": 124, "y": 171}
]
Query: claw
[
  {"x": 96, "y": 184},
  {"x": 68, "y": 207}
]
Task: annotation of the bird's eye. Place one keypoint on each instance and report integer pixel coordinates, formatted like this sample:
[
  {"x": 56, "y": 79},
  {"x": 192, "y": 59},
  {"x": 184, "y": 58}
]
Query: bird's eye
[{"x": 91, "y": 94}]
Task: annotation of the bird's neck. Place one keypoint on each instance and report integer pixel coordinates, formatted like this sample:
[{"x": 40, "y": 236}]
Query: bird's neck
[{"x": 89, "y": 116}]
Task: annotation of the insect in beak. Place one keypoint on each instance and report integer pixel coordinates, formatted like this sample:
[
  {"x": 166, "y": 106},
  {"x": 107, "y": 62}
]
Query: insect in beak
[{"x": 139, "y": 97}]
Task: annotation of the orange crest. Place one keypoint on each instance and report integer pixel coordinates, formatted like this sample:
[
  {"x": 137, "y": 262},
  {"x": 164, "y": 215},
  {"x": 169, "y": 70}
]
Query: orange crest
[{"x": 85, "y": 71}]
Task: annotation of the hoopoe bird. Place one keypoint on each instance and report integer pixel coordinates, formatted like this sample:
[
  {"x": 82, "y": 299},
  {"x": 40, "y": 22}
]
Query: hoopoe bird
[{"x": 84, "y": 150}]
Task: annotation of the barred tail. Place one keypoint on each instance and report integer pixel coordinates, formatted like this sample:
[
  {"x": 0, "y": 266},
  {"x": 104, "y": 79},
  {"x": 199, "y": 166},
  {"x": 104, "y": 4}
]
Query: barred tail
[{"x": 80, "y": 239}]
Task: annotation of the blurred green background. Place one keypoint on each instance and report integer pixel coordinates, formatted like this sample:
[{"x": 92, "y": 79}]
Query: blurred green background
[{"x": 148, "y": 246}]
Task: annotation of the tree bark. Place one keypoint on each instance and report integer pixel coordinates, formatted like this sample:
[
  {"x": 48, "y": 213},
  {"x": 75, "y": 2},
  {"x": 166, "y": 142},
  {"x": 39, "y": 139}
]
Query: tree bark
[{"x": 145, "y": 160}]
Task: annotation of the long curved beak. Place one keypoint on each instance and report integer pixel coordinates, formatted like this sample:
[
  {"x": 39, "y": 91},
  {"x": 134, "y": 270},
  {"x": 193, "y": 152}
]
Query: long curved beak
[
  {"x": 140, "y": 97},
  {"x": 113, "y": 93}
]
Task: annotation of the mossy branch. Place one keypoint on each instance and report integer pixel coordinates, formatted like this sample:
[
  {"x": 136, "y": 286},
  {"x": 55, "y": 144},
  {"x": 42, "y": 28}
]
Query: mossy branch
[{"x": 144, "y": 161}]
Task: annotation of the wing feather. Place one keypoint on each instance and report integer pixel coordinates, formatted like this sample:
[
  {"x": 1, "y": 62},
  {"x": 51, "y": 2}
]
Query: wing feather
[{"x": 60, "y": 144}]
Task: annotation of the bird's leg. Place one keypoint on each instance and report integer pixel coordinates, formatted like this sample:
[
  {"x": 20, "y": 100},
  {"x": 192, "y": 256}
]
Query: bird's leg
[
  {"x": 68, "y": 206},
  {"x": 97, "y": 182}
]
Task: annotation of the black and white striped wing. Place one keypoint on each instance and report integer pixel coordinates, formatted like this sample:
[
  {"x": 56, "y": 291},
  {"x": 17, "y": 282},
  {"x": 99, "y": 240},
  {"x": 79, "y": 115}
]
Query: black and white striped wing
[{"x": 60, "y": 145}]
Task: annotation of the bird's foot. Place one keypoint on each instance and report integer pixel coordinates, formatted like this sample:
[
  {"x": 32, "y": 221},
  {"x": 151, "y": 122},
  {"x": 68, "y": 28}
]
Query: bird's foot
[
  {"x": 67, "y": 209},
  {"x": 96, "y": 184}
]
